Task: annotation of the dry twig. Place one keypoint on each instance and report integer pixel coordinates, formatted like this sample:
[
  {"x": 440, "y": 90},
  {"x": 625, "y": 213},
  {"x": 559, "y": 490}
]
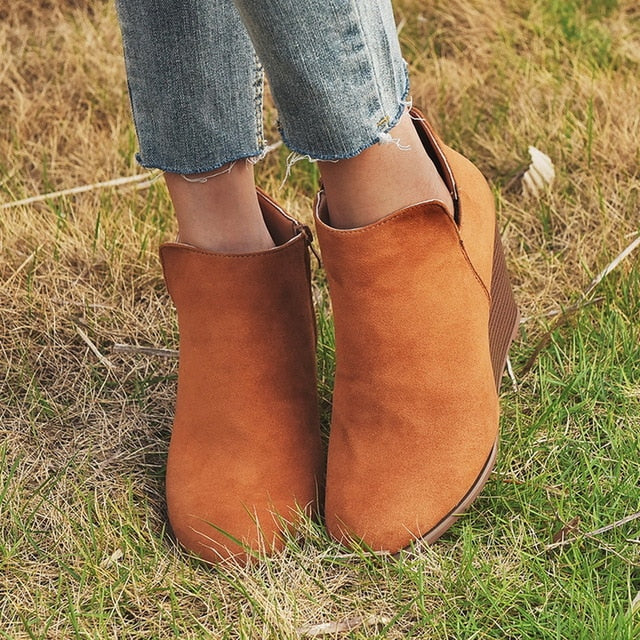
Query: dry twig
[
  {"x": 561, "y": 318},
  {"x": 349, "y": 624},
  {"x": 150, "y": 351},
  {"x": 628, "y": 250},
  {"x": 148, "y": 178},
  {"x": 87, "y": 340},
  {"x": 591, "y": 534}
]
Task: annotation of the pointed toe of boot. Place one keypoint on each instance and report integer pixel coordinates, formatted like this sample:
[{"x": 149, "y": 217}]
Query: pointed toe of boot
[{"x": 423, "y": 317}]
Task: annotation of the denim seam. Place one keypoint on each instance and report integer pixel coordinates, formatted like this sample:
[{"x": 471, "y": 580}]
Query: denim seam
[
  {"x": 403, "y": 101},
  {"x": 259, "y": 101},
  {"x": 375, "y": 140},
  {"x": 372, "y": 71}
]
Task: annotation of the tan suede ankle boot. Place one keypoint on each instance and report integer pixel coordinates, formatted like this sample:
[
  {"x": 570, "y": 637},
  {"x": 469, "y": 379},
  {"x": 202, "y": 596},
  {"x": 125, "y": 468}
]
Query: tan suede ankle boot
[
  {"x": 245, "y": 455},
  {"x": 424, "y": 316}
]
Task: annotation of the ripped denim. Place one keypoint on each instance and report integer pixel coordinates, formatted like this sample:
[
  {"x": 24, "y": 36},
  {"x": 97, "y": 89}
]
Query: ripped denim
[{"x": 195, "y": 77}]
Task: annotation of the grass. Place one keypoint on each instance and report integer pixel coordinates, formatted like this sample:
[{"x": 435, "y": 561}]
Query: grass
[{"x": 84, "y": 547}]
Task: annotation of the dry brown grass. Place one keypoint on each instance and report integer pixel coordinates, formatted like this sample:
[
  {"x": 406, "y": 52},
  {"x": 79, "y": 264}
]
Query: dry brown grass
[
  {"x": 83, "y": 440},
  {"x": 493, "y": 101}
]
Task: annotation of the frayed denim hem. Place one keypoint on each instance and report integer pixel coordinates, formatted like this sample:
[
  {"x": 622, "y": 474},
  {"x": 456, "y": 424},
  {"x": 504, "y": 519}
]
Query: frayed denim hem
[
  {"x": 250, "y": 157},
  {"x": 381, "y": 136}
]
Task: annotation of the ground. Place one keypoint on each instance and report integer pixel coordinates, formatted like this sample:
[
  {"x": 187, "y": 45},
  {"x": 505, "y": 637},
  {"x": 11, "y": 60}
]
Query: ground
[{"x": 550, "y": 549}]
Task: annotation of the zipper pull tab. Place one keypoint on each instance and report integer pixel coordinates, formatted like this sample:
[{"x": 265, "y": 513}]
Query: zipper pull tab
[{"x": 308, "y": 237}]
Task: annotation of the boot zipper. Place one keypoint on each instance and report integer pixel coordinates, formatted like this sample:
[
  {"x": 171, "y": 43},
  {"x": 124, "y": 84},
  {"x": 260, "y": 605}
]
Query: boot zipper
[{"x": 308, "y": 238}]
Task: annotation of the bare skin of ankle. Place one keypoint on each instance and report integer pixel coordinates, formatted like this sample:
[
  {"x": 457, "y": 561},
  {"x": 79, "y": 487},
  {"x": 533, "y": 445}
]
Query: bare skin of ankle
[
  {"x": 382, "y": 179},
  {"x": 221, "y": 214}
]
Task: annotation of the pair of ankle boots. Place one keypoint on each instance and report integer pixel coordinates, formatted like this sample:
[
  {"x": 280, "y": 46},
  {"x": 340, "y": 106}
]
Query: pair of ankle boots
[{"x": 423, "y": 315}]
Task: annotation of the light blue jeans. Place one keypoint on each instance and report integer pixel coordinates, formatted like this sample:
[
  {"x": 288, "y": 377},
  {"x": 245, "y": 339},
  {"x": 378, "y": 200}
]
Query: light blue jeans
[{"x": 195, "y": 76}]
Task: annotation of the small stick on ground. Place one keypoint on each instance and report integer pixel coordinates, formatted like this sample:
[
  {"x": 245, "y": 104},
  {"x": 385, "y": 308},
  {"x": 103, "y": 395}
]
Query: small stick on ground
[
  {"x": 595, "y": 532},
  {"x": 149, "y": 178},
  {"x": 149, "y": 351},
  {"x": 562, "y": 318},
  {"x": 87, "y": 340},
  {"x": 628, "y": 250}
]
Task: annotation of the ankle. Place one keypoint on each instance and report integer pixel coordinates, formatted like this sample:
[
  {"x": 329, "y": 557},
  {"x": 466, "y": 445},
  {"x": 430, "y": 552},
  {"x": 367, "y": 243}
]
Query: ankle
[
  {"x": 220, "y": 212},
  {"x": 382, "y": 179}
]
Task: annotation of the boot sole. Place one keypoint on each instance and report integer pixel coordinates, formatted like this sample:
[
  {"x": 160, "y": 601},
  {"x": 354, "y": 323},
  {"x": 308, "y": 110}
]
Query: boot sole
[{"x": 504, "y": 321}]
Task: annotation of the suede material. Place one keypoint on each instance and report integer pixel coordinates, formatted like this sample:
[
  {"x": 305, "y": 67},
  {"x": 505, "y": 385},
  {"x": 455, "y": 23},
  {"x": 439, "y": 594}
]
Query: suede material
[
  {"x": 474, "y": 203},
  {"x": 245, "y": 450},
  {"x": 476, "y": 214},
  {"x": 415, "y": 407}
]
